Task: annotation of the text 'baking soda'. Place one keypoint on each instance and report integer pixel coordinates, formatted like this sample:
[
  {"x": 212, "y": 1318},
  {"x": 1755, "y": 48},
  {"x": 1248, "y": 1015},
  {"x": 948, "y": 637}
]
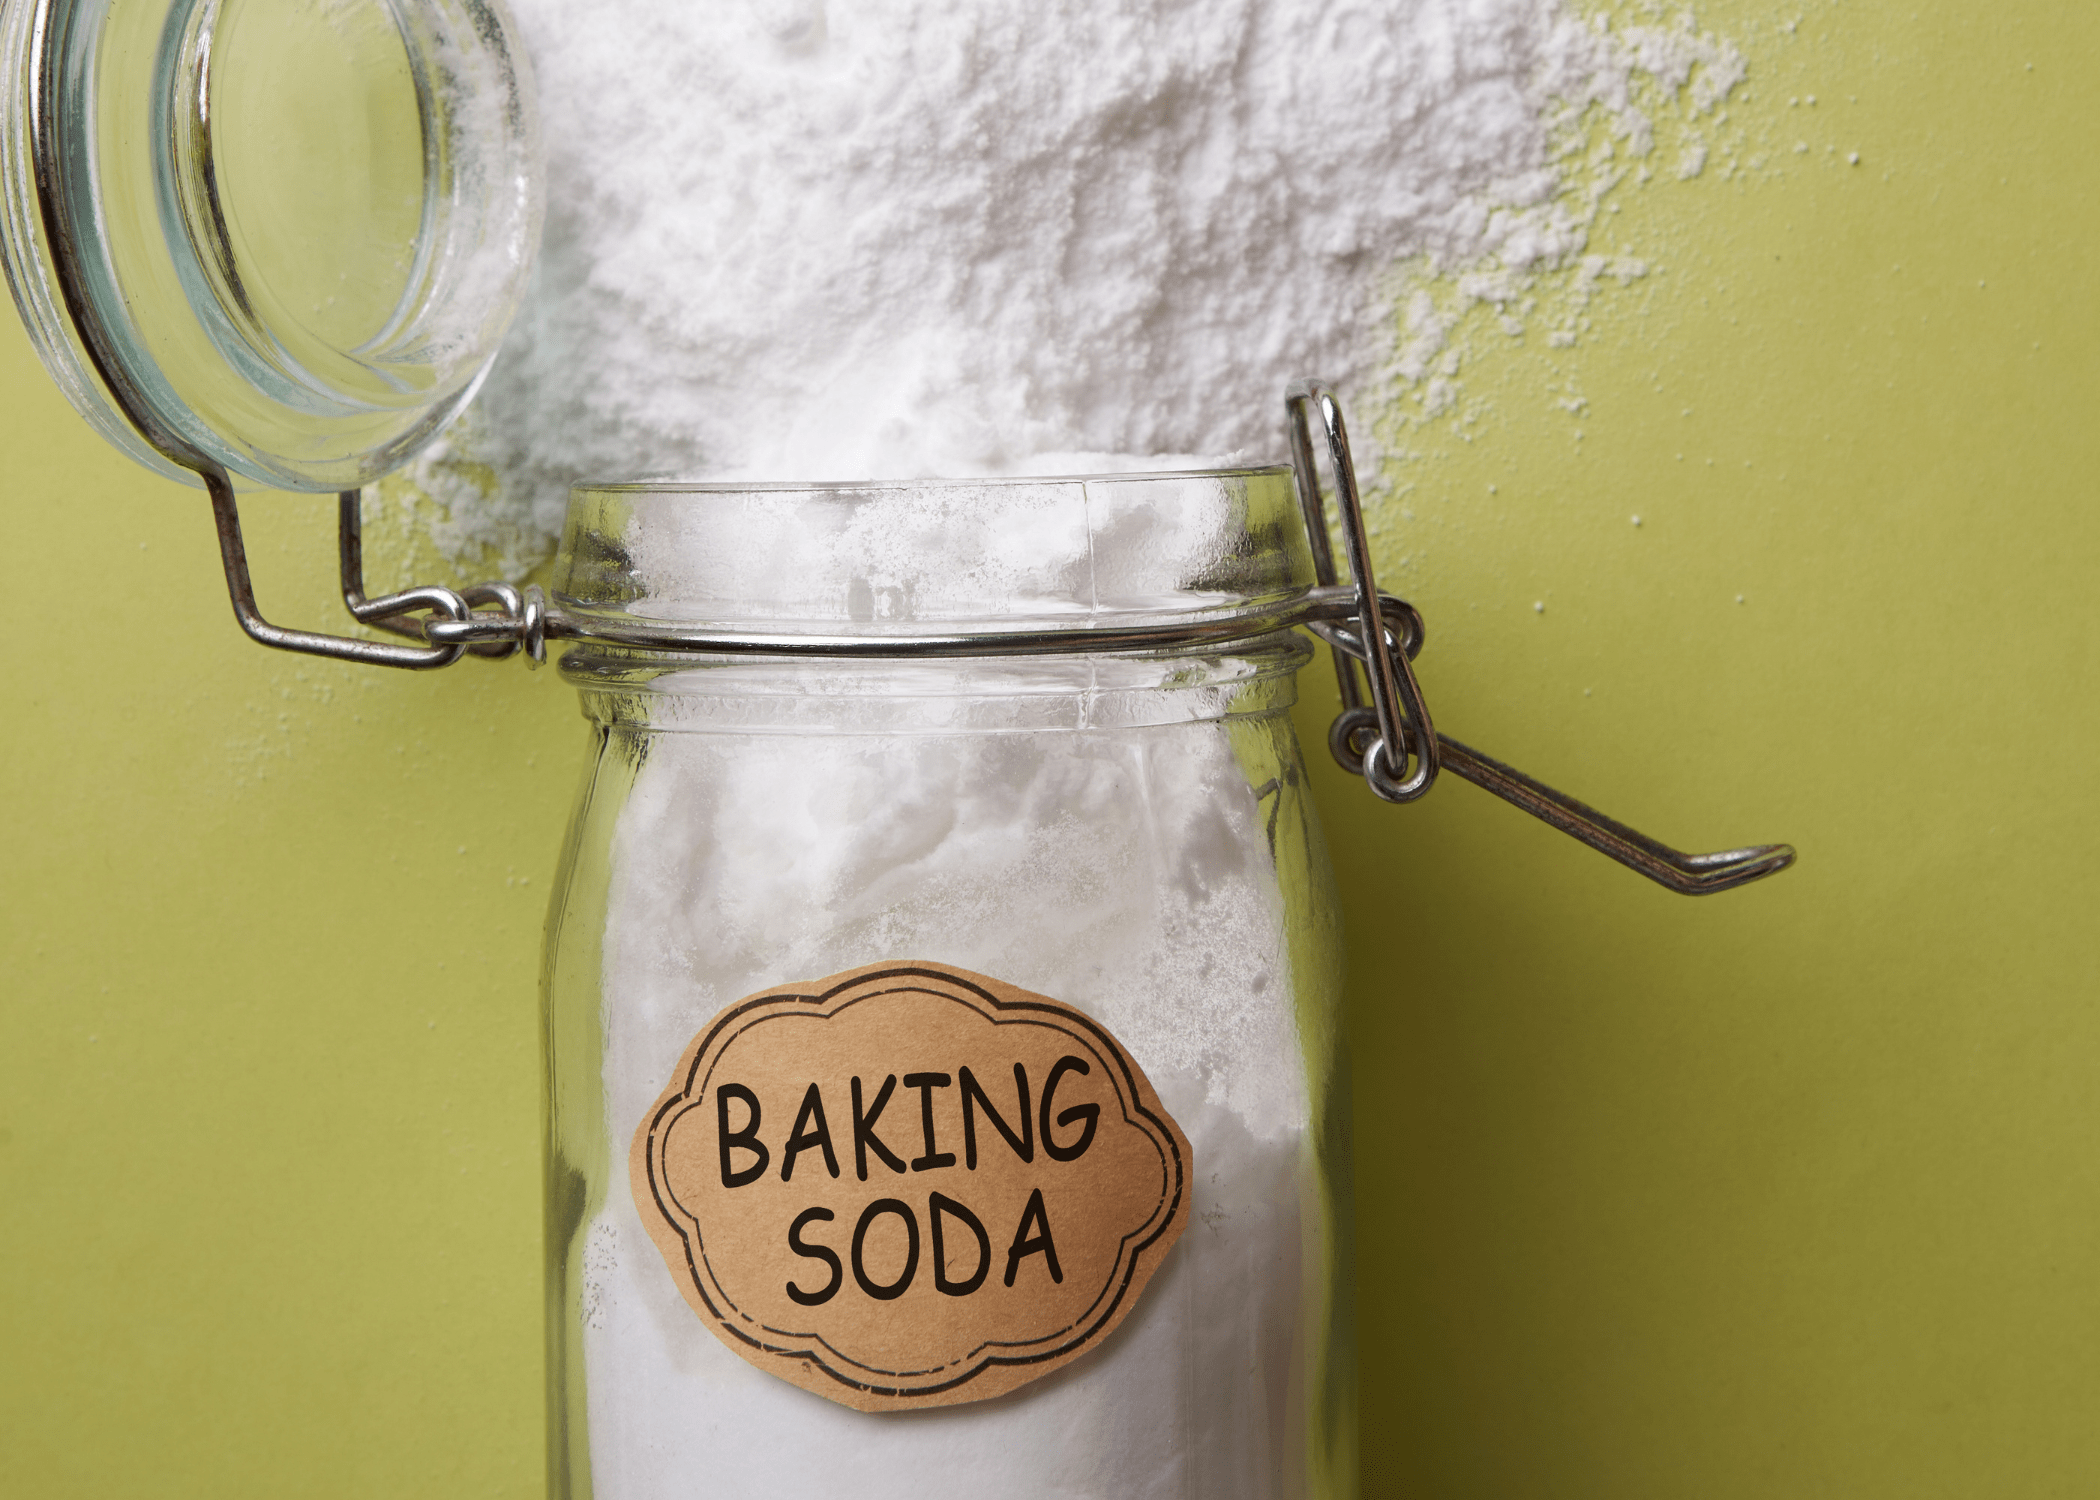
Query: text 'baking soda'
[{"x": 909, "y": 1185}]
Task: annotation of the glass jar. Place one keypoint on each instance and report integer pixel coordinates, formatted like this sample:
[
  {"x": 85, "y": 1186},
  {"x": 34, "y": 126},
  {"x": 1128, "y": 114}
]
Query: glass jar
[{"x": 1125, "y": 833}]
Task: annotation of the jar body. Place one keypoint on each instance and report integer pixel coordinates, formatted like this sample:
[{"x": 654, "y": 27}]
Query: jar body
[{"x": 1131, "y": 837}]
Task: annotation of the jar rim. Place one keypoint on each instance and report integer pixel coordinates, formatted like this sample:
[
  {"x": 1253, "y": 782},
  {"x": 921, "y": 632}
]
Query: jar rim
[
  {"x": 674, "y": 692},
  {"x": 649, "y": 561},
  {"x": 674, "y": 485}
]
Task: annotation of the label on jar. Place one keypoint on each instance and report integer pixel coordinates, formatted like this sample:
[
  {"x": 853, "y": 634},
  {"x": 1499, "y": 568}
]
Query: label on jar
[{"x": 909, "y": 1185}]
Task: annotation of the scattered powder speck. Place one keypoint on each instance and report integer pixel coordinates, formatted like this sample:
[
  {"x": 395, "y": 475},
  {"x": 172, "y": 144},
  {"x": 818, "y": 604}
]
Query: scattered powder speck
[{"x": 788, "y": 239}]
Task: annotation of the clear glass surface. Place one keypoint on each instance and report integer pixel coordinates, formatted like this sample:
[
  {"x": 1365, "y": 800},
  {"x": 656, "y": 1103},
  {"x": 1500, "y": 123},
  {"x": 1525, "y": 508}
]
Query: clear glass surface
[
  {"x": 303, "y": 227},
  {"x": 1128, "y": 834}
]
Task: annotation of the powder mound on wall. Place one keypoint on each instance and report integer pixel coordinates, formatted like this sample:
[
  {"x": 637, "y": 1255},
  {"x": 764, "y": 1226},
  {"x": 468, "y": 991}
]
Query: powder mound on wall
[{"x": 899, "y": 238}]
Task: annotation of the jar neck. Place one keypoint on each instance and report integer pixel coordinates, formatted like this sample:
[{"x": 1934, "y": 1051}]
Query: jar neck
[{"x": 987, "y": 695}]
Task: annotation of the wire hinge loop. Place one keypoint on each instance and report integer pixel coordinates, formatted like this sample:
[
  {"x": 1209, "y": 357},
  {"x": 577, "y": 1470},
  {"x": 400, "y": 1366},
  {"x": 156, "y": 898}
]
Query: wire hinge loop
[{"x": 489, "y": 619}]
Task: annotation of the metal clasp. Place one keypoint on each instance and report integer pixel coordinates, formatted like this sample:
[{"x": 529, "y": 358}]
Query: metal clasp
[
  {"x": 1376, "y": 742},
  {"x": 445, "y": 618},
  {"x": 1379, "y": 740}
]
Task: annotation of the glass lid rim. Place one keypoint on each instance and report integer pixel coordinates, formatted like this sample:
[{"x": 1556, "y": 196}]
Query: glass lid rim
[
  {"x": 726, "y": 487},
  {"x": 100, "y": 307}
]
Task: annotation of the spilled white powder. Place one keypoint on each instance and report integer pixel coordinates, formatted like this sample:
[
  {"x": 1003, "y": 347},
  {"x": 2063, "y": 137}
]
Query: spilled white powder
[
  {"x": 901, "y": 238},
  {"x": 1126, "y": 871}
]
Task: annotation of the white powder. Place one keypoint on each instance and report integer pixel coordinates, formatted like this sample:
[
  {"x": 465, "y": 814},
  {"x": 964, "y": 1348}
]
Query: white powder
[
  {"x": 1126, "y": 871},
  {"x": 901, "y": 238}
]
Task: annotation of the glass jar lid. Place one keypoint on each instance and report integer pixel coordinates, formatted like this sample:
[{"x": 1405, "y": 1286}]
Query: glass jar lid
[{"x": 279, "y": 237}]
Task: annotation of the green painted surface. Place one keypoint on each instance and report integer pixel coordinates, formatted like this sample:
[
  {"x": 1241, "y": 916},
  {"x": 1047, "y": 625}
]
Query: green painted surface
[{"x": 1791, "y": 1192}]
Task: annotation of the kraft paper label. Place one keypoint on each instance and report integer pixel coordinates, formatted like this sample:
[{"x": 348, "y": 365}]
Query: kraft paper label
[{"x": 909, "y": 1185}]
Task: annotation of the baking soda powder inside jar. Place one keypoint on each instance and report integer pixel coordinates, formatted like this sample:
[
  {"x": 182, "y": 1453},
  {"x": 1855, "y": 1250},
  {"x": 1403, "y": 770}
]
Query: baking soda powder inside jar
[{"x": 975, "y": 873}]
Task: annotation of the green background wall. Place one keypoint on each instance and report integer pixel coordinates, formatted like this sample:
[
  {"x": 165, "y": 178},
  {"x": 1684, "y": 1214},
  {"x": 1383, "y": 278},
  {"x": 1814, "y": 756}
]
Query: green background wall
[{"x": 1791, "y": 1192}]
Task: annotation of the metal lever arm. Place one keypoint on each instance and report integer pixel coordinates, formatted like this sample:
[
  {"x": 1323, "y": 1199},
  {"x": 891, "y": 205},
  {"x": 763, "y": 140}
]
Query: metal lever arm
[
  {"x": 1364, "y": 736},
  {"x": 1686, "y": 874}
]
